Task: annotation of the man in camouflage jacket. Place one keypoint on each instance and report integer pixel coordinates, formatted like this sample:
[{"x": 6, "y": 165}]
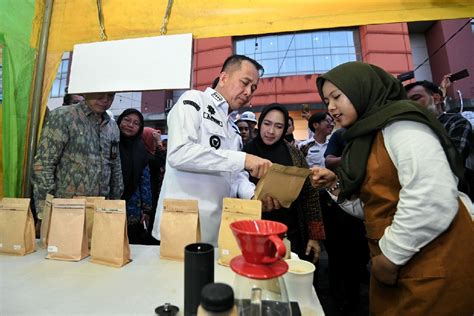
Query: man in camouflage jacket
[{"x": 78, "y": 153}]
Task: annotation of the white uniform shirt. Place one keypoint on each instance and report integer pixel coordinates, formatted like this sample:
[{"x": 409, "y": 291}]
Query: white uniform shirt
[
  {"x": 315, "y": 156},
  {"x": 428, "y": 197},
  {"x": 203, "y": 160}
]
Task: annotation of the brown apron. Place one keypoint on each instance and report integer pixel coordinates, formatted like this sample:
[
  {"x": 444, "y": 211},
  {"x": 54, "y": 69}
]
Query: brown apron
[{"x": 438, "y": 280}]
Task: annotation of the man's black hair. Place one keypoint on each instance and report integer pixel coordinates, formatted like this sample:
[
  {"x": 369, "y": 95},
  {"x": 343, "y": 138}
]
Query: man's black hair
[
  {"x": 237, "y": 60},
  {"x": 67, "y": 99},
  {"x": 430, "y": 87},
  {"x": 215, "y": 83},
  {"x": 316, "y": 118}
]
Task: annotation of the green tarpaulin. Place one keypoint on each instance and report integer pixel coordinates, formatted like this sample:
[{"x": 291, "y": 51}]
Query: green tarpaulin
[{"x": 16, "y": 19}]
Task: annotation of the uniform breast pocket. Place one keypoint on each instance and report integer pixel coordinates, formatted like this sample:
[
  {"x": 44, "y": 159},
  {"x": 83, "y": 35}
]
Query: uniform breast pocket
[{"x": 213, "y": 133}]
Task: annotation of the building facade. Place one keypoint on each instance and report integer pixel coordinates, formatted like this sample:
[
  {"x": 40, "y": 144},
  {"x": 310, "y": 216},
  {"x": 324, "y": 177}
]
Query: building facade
[{"x": 292, "y": 62}]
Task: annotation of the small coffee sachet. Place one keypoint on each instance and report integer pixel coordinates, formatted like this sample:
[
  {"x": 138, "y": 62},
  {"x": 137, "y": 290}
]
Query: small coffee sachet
[
  {"x": 234, "y": 210},
  {"x": 283, "y": 183},
  {"x": 17, "y": 227},
  {"x": 179, "y": 226},
  {"x": 67, "y": 231},
  {"x": 109, "y": 234},
  {"x": 90, "y": 209},
  {"x": 46, "y": 220}
]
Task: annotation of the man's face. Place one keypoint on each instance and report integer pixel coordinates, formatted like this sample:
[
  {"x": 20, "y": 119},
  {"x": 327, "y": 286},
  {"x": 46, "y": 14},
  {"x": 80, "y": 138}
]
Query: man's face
[
  {"x": 99, "y": 102},
  {"x": 237, "y": 85},
  {"x": 420, "y": 96}
]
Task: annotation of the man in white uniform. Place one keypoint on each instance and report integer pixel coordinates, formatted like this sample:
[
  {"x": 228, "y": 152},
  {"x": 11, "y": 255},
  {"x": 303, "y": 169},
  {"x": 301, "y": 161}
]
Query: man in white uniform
[{"x": 203, "y": 161}]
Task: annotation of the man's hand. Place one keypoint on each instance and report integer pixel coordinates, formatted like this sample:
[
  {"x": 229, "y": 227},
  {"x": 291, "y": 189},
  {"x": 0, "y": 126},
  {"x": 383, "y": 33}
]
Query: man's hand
[
  {"x": 445, "y": 84},
  {"x": 384, "y": 270},
  {"x": 313, "y": 245},
  {"x": 322, "y": 178},
  {"x": 256, "y": 166},
  {"x": 269, "y": 203}
]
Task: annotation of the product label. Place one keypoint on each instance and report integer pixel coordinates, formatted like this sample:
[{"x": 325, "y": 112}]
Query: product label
[
  {"x": 16, "y": 247},
  {"x": 1, "y": 245},
  {"x": 225, "y": 252},
  {"x": 52, "y": 249}
]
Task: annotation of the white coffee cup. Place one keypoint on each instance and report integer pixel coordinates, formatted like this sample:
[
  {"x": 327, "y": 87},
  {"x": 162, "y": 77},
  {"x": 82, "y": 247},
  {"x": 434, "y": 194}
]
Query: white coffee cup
[{"x": 299, "y": 282}]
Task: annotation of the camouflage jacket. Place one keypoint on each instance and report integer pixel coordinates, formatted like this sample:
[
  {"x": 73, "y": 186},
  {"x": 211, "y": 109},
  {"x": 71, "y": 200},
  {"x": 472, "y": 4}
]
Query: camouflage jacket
[{"x": 77, "y": 156}]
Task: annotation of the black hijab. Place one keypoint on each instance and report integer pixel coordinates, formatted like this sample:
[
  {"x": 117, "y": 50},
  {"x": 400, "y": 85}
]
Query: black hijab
[
  {"x": 379, "y": 99},
  {"x": 133, "y": 155},
  {"x": 278, "y": 152}
]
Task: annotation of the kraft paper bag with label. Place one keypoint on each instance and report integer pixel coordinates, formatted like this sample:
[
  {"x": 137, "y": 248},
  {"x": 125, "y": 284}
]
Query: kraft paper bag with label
[
  {"x": 90, "y": 209},
  {"x": 109, "y": 237},
  {"x": 46, "y": 221},
  {"x": 283, "y": 183},
  {"x": 17, "y": 228},
  {"x": 67, "y": 231},
  {"x": 234, "y": 210},
  {"x": 179, "y": 227}
]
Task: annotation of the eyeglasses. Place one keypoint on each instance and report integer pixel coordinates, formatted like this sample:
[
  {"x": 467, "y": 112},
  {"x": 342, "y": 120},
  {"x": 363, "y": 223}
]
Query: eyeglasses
[{"x": 129, "y": 121}]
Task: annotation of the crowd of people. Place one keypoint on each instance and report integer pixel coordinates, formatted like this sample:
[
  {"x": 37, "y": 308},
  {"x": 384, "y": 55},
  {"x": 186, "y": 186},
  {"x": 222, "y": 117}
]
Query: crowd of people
[{"x": 388, "y": 195}]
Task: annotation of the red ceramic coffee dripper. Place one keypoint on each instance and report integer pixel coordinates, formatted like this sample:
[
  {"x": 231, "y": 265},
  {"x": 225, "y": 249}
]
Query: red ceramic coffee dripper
[{"x": 260, "y": 240}]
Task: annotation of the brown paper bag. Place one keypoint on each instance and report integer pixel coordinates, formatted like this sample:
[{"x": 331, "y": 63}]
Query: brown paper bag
[
  {"x": 46, "y": 221},
  {"x": 179, "y": 226},
  {"x": 109, "y": 235},
  {"x": 90, "y": 209},
  {"x": 234, "y": 210},
  {"x": 17, "y": 227},
  {"x": 67, "y": 231},
  {"x": 283, "y": 183}
]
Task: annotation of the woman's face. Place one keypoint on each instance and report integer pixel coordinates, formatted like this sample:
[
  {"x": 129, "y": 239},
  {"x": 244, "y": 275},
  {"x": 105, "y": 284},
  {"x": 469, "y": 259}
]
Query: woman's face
[
  {"x": 244, "y": 130},
  {"x": 339, "y": 105},
  {"x": 130, "y": 125},
  {"x": 272, "y": 127}
]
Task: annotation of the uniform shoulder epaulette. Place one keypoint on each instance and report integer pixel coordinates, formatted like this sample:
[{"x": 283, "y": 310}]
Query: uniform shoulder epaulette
[{"x": 192, "y": 103}]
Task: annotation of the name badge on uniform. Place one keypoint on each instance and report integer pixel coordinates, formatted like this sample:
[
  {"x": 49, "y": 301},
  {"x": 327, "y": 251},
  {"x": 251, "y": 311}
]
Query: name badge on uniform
[
  {"x": 114, "y": 148},
  {"x": 212, "y": 118}
]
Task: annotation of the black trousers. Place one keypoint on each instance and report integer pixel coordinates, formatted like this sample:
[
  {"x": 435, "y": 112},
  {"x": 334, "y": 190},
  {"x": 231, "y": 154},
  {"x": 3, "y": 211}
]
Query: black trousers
[{"x": 347, "y": 250}]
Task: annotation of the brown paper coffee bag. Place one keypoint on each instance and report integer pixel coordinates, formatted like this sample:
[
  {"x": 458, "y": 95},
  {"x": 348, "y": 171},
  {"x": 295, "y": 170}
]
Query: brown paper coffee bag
[
  {"x": 109, "y": 234},
  {"x": 17, "y": 228},
  {"x": 179, "y": 226},
  {"x": 234, "y": 210},
  {"x": 46, "y": 221},
  {"x": 90, "y": 209},
  {"x": 67, "y": 231},
  {"x": 283, "y": 183}
]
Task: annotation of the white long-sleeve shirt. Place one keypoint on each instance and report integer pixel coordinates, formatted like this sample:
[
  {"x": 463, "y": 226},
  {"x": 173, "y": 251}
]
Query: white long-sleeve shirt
[
  {"x": 203, "y": 160},
  {"x": 428, "y": 196}
]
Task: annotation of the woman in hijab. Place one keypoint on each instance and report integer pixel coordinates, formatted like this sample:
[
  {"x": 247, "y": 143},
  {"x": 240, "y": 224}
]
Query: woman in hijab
[
  {"x": 136, "y": 175},
  {"x": 303, "y": 218},
  {"x": 399, "y": 172}
]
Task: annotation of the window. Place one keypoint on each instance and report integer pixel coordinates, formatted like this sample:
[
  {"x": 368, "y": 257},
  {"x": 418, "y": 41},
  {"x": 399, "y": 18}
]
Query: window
[
  {"x": 301, "y": 53},
  {"x": 59, "y": 84}
]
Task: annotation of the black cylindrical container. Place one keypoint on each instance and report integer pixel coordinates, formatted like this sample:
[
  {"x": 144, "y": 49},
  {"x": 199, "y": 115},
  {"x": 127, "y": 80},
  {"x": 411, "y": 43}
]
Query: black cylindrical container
[{"x": 198, "y": 271}]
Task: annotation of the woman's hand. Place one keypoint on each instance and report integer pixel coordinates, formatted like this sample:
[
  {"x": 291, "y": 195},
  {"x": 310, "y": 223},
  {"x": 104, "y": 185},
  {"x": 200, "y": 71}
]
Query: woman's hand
[
  {"x": 269, "y": 203},
  {"x": 322, "y": 178},
  {"x": 313, "y": 245},
  {"x": 384, "y": 270}
]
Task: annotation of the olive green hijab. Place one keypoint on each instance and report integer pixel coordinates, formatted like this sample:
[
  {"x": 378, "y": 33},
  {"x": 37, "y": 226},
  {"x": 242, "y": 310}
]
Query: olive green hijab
[{"x": 378, "y": 99}]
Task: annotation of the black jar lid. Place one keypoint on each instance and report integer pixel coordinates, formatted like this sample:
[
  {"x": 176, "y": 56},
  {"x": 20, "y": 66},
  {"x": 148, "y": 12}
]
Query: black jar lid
[
  {"x": 167, "y": 310},
  {"x": 217, "y": 297}
]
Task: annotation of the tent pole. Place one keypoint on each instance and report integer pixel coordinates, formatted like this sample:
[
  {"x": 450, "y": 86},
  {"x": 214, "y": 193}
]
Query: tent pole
[{"x": 36, "y": 101}]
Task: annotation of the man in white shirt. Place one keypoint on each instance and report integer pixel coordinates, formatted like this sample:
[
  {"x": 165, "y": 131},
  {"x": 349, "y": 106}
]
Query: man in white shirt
[
  {"x": 321, "y": 124},
  {"x": 203, "y": 161}
]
